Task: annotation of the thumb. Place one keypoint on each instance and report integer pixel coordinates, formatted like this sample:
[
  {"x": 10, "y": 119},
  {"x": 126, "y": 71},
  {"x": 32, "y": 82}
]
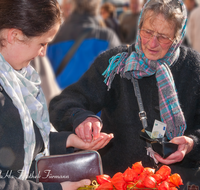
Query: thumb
[
  {"x": 83, "y": 182},
  {"x": 178, "y": 140}
]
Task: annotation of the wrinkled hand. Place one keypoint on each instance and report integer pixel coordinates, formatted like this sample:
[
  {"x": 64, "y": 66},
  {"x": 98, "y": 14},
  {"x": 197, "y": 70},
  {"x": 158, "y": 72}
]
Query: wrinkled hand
[
  {"x": 89, "y": 129},
  {"x": 185, "y": 145},
  {"x": 74, "y": 185},
  {"x": 74, "y": 141}
]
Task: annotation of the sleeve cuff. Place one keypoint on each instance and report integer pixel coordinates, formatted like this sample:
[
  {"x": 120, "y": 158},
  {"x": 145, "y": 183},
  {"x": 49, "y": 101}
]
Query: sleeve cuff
[
  {"x": 58, "y": 143},
  {"x": 81, "y": 116},
  {"x": 52, "y": 186},
  {"x": 194, "y": 153}
]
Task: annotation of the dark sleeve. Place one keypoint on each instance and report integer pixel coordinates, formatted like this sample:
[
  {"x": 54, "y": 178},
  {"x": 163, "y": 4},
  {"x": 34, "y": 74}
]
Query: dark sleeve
[
  {"x": 84, "y": 98},
  {"x": 194, "y": 133},
  {"x": 58, "y": 143},
  {"x": 191, "y": 99},
  {"x": 15, "y": 184}
]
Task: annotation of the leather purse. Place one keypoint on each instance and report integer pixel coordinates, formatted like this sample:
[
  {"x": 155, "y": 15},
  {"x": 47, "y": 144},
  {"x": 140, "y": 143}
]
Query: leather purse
[
  {"x": 160, "y": 145},
  {"x": 69, "y": 167}
]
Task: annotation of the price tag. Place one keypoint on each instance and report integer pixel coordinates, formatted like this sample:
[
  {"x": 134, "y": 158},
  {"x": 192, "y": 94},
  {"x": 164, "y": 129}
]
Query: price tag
[{"x": 159, "y": 129}]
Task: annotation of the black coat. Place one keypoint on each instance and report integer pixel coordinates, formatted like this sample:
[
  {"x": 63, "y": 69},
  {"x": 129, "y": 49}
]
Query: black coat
[
  {"x": 120, "y": 109},
  {"x": 12, "y": 149}
]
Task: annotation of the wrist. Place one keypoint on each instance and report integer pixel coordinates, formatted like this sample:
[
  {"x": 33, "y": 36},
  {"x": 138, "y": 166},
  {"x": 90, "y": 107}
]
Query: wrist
[{"x": 69, "y": 142}]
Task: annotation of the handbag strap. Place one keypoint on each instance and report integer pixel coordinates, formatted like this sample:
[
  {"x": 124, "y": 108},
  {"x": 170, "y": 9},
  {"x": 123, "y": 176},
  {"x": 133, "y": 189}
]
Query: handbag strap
[
  {"x": 142, "y": 113},
  {"x": 72, "y": 50}
]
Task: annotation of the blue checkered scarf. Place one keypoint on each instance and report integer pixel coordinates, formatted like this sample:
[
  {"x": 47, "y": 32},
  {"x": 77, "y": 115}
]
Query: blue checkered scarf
[{"x": 138, "y": 66}]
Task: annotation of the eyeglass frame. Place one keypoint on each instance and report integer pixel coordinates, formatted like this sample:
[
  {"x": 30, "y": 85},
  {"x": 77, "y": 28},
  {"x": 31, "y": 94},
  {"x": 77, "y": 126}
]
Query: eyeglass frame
[{"x": 152, "y": 34}]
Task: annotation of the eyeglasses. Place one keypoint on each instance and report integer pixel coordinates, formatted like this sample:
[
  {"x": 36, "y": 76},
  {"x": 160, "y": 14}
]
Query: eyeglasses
[{"x": 161, "y": 38}]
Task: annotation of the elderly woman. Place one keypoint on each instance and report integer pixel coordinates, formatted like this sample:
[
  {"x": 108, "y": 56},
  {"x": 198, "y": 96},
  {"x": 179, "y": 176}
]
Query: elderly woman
[
  {"x": 168, "y": 77},
  {"x": 24, "y": 119}
]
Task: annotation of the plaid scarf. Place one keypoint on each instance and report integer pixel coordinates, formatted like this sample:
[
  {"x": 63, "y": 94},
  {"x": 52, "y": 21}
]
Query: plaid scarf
[
  {"x": 23, "y": 87},
  {"x": 138, "y": 66}
]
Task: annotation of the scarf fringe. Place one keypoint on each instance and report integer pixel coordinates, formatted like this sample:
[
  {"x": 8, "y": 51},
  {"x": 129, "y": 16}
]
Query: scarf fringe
[{"x": 116, "y": 66}]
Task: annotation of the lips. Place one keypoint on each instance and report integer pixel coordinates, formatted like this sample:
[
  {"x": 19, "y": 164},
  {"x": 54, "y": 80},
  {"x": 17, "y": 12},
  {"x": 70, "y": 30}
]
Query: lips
[{"x": 152, "y": 51}]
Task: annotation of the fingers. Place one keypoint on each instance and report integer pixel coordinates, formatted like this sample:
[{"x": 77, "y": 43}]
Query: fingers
[
  {"x": 82, "y": 183},
  {"x": 184, "y": 140},
  {"x": 176, "y": 156},
  {"x": 84, "y": 131},
  {"x": 96, "y": 129},
  {"x": 102, "y": 141},
  {"x": 91, "y": 126},
  {"x": 75, "y": 185},
  {"x": 173, "y": 158}
]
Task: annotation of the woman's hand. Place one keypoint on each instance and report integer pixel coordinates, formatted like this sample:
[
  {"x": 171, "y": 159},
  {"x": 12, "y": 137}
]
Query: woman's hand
[
  {"x": 74, "y": 141},
  {"x": 185, "y": 145},
  {"x": 74, "y": 185},
  {"x": 89, "y": 129}
]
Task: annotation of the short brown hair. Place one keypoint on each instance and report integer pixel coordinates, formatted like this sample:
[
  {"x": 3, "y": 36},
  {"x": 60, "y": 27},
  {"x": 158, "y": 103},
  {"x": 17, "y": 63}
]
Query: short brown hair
[{"x": 109, "y": 7}]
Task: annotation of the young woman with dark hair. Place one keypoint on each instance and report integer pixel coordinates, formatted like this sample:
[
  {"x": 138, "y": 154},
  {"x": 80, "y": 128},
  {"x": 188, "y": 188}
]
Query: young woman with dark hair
[{"x": 26, "y": 27}]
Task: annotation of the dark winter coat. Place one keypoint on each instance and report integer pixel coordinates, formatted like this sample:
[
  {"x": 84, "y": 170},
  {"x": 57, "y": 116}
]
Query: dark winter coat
[
  {"x": 120, "y": 109},
  {"x": 12, "y": 149}
]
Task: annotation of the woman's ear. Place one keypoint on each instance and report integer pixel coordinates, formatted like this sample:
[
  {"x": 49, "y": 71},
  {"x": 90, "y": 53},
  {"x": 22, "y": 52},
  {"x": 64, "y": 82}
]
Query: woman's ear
[{"x": 14, "y": 35}]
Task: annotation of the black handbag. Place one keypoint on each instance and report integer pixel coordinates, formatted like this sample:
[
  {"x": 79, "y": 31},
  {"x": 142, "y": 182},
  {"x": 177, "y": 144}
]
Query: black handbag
[
  {"x": 69, "y": 167},
  {"x": 160, "y": 145}
]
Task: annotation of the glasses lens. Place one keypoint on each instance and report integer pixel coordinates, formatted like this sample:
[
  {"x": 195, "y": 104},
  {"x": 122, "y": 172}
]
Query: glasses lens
[
  {"x": 146, "y": 33},
  {"x": 163, "y": 39}
]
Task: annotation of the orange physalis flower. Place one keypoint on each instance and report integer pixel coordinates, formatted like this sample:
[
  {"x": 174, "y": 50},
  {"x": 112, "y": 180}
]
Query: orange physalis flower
[
  {"x": 157, "y": 177},
  {"x": 118, "y": 181},
  {"x": 149, "y": 182},
  {"x": 130, "y": 175},
  {"x": 142, "y": 177},
  {"x": 137, "y": 167},
  {"x": 163, "y": 186},
  {"x": 149, "y": 171},
  {"x": 164, "y": 171},
  {"x": 103, "y": 179},
  {"x": 176, "y": 179},
  {"x": 106, "y": 185}
]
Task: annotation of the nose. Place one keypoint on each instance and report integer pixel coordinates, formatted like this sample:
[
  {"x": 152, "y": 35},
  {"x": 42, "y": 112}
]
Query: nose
[
  {"x": 153, "y": 42},
  {"x": 43, "y": 51}
]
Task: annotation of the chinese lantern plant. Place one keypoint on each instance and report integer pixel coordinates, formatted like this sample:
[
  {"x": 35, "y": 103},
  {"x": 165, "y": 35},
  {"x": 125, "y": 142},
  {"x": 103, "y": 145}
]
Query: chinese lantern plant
[{"x": 138, "y": 177}]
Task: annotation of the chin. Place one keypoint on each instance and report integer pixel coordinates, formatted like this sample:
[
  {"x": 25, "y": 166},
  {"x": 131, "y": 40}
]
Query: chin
[{"x": 151, "y": 57}]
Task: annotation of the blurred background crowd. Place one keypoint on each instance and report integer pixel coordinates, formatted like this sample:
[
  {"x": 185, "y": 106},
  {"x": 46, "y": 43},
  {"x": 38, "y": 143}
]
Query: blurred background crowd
[{"x": 90, "y": 27}]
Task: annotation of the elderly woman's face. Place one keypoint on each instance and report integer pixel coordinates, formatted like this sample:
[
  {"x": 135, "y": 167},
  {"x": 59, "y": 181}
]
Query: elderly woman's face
[{"x": 153, "y": 48}]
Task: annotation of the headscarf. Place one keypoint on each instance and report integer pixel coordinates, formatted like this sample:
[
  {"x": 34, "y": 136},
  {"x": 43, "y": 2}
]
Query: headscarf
[
  {"x": 23, "y": 87},
  {"x": 137, "y": 65}
]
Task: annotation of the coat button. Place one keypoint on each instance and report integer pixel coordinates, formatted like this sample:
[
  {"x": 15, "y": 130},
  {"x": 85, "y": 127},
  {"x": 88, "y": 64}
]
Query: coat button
[{"x": 1, "y": 88}]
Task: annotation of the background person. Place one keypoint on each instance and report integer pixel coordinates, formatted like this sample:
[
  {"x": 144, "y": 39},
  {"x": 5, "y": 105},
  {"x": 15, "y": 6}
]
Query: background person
[
  {"x": 164, "y": 69},
  {"x": 107, "y": 12},
  {"x": 129, "y": 22},
  {"x": 48, "y": 80},
  {"x": 85, "y": 16},
  {"x": 24, "y": 123},
  {"x": 193, "y": 29}
]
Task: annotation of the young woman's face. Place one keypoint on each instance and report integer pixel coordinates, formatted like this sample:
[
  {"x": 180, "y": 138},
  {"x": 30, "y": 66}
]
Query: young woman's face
[
  {"x": 22, "y": 52},
  {"x": 152, "y": 48}
]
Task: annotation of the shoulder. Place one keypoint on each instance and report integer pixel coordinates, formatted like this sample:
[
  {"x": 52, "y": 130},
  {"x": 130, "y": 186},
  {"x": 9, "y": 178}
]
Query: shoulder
[
  {"x": 189, "y": 55},
  {"x": 189, "y": 60},
  {"x": 112, "y": 52}
]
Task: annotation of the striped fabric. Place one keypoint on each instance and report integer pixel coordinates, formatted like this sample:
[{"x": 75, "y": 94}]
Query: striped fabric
[{"x": 138, "y": 66}]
